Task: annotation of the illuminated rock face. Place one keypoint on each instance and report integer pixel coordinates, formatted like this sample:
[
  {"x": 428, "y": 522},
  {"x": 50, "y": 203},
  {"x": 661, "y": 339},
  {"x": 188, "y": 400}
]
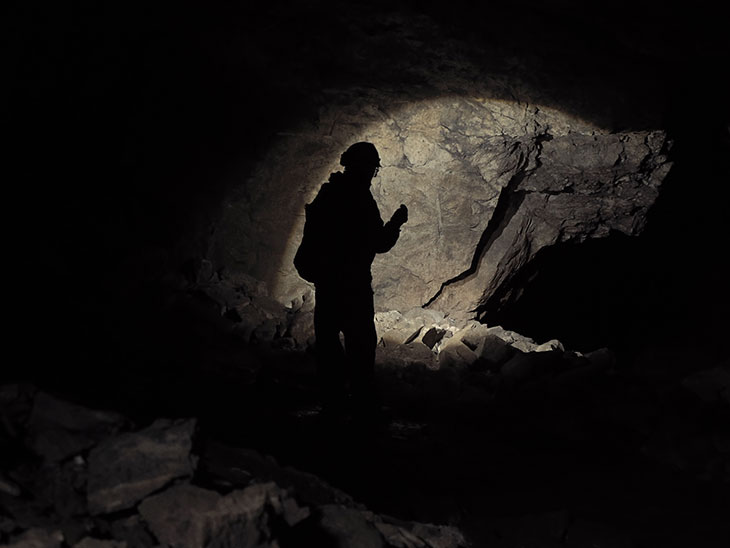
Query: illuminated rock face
[
  {"x": 491, "y": 166},
  {"x": 488, "y": 183},
  {"x": 581, "y": 186}
]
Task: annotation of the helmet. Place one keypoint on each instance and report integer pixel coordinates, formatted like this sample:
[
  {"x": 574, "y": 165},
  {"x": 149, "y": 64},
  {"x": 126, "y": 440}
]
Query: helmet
[{"x": 361, "y": 154}]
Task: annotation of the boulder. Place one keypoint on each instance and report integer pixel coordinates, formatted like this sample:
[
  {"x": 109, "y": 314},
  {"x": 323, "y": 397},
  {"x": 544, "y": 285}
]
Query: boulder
[
  {"x": 710, "y": 385},
  {"x": 438, "y": 536},
  {"x": 57, "y": 444},
  {"x": 426, "y": 316},
  {"x": 185, "y": 516},
  {"x": 61, "y": 486},
  {"x": 398, "y": 537},
  {"x": 514, "y": 339},
  {"x": 393, "y": 328},
  {"x": 406, "y": 355},
  {"x": 237, "y": 466},
  {"x": 126, "y": 468},
  {"x": 348, "y": 527},
  {"x": 582, "y": 186},
  {"x": 37, "y": 538},
  {"x": 494, "y": 351},
  {"x": 58, "y": 429},
  {"x": 133, "y": 531},
  {"x": 301, "y": 328},
  {"x": 504, "y": 334},
  {"x": 49, "y": 410},
  {"x": 524, "y": 344},
  {"x": 550, "y": 345},
  {"x": 472, "y": 334},
  {"x": 455, "y": 354},
  {"x": 600, "y": 359},
  {"x": 177, "y": 516},
  {"x": 401, "y": 534},
  {"x": 432, "y": 337}
]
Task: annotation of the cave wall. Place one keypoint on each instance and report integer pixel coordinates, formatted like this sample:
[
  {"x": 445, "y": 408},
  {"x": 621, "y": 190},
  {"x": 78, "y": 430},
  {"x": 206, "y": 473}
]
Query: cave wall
[
  {"x": 137, "y": 131},
  {"x": 490, "y": 170}
]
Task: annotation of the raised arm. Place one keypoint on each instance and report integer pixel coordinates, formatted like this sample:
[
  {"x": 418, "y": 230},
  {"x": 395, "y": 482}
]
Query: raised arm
[{"x": 388, "y": 234}]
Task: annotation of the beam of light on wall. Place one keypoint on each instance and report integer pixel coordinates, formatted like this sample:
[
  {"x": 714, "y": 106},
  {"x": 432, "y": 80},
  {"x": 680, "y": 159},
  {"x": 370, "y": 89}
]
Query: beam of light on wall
[{"x": 448, "y": 158}]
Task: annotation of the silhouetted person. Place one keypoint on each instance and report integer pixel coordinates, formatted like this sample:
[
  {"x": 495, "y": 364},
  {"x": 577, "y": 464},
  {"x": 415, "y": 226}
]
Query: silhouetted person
[{"x": 342, "y": 234}]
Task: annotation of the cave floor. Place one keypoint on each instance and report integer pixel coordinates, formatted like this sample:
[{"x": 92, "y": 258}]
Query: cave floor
[
  {"x": 612, "y": 460},
  {"x": 621, "y": 457}
]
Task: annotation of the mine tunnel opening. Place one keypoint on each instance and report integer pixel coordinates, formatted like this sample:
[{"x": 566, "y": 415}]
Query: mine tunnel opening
[
  {"x": 633, "y": 292},
  {"x": 588, "y": 295}
]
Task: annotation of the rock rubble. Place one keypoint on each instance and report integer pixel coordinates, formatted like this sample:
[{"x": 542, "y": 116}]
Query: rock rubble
[{"x": 137, "y": 488}]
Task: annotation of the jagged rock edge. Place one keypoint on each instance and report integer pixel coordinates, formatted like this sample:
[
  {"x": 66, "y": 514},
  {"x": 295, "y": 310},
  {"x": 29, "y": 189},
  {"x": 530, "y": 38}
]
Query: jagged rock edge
[{"x": 508, "y": 205}]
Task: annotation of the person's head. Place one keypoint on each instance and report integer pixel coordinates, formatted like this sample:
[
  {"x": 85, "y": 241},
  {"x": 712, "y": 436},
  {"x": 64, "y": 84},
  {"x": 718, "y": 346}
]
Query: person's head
[{"x": 361, "y": 161}]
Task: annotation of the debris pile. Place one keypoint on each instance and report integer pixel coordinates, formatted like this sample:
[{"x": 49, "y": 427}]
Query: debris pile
[{"x": 90, "y": 479}]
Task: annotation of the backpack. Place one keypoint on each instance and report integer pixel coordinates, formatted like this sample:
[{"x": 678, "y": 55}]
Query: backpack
[{"x": 307, "y": 260}]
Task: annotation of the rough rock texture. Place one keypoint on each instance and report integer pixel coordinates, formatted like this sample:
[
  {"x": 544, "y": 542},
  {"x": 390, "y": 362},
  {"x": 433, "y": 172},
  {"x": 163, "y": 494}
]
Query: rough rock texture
[
  {"x": 140, "y": 495},
  {"x": 582, "y": 186},
  {"x": 90, "y": 542},
  {"x": 404, "y": 355},
  {"x": 350, "y": 527},
  {"x": 490, "y": 170},
  {"x": 59, "y": 429},
  {"x": 347, "y": 527},
  {"x": 124, "y": 469},
  {"x": 37, "y": 538},
  {"x": 188, "y": 517}
]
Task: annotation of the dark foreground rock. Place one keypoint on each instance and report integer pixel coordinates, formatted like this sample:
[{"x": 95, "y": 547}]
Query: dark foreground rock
[
  {"x": 58, "y": 429},
  {"x": 139, "y": 489},
  {"x": 186, "y": 516},
  {"x": 125, "y": 469},
  {"x": 503, "y": 439},
  {"x": 37, "y": 538}
]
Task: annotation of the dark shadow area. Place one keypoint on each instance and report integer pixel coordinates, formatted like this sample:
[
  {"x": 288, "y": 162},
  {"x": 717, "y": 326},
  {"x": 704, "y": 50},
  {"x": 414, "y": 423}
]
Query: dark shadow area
[
  {"x": 665, "y": 287},
  {"x": 126, "y": 122},
  {"x": 596, "y": 294},
  {"x": 590, "y": 451}
]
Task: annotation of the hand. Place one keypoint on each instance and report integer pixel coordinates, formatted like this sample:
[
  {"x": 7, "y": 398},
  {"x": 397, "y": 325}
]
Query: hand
[{"x": 400, "y": 216}]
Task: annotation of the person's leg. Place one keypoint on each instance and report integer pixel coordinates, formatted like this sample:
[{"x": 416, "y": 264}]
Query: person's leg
[
  {"x": 360, "y": 343},
  {"x": 330, "y": 355}
]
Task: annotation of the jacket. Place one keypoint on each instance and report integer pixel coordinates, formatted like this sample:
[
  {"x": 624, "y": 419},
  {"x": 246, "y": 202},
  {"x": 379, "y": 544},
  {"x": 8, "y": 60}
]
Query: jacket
[{"x": 342, "y": 233}]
